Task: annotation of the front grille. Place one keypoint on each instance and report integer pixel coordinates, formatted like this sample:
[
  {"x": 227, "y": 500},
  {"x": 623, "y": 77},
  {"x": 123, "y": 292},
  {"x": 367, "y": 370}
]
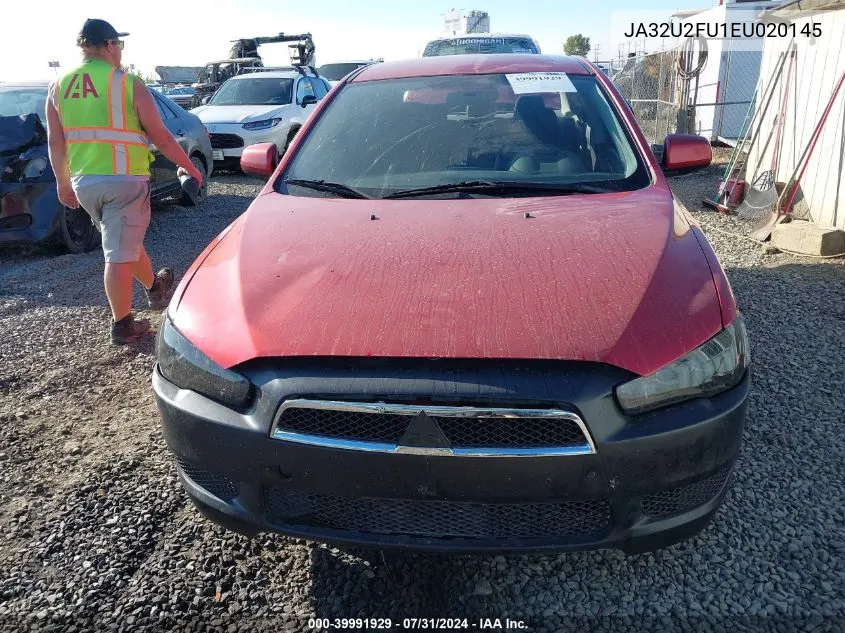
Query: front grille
[
  {"x": 221, "y": 487},
  {"x": 510, "y": 432},
  {"x": 226, "y": 141},
  {"x": 350, "y": 425},
  {"x": 342, "y": 421},
  {"x": 684, "y": 497},
  {"x": 438, "y": 519}
]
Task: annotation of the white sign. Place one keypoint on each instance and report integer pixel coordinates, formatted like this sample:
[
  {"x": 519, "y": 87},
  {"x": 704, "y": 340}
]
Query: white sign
[{"x": 526, "y": 83}]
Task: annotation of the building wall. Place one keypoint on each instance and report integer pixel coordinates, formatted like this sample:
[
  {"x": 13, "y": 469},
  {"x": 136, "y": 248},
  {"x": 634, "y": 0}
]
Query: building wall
[
  {"x": 819, "y": 63},
  {"x": 460, "y": 22}
]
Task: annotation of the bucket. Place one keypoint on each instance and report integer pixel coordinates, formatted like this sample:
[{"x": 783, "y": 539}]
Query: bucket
[{"x": 735, "y": 188}]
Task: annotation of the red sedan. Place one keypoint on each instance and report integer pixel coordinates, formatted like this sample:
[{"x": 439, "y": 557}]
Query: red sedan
[{"x": 465, "y": 313}]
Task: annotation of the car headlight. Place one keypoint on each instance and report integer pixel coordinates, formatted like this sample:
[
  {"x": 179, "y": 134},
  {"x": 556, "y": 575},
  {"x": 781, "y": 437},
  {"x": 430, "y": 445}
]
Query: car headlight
[
  {"x": 188, "y": 368},
  {"x": 714, "y": 367},
  {"x": 262, "y": 125}
]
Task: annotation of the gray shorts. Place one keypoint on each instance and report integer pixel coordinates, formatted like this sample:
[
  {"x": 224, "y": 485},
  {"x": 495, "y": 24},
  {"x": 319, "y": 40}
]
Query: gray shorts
[{"x": 121, "y": 211}]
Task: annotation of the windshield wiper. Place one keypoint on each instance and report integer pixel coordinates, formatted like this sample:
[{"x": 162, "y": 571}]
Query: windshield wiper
[
  {"x": 336, "y": 188},
  {"x": 499, "y": 186}
]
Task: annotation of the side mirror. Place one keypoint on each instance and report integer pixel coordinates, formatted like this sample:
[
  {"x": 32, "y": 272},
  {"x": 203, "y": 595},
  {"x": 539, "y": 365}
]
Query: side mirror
[
  {"x": 308, "y": 100},
  {"x": 260, "y": 160},
  {"x": 206, "y": 99},
  {"x": 683, "y": 153}
]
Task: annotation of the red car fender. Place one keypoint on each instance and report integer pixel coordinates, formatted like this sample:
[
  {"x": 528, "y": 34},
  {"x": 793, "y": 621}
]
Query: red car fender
[
  {"x": 183, "y": 284},
  {"x": 727, "y": 300}
]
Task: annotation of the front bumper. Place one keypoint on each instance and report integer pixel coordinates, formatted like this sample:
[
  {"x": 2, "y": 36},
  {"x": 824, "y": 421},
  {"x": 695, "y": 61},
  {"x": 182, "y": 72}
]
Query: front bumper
[
  {"x": 29, "y": 212},
  {"x": 652, "y": 481},
  {"x": 223, "y": 138}
]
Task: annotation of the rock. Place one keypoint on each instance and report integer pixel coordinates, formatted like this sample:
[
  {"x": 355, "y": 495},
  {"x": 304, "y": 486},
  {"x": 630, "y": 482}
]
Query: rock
[
  {"x": 808, "y": 238},
  {"x": 483, "y": 588}
]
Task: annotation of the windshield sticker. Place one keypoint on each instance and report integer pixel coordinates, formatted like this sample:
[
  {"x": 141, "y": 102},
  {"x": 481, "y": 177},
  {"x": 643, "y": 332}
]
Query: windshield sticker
[
  {"x": 525, "y": 83},
  {"x": 477, "y": 40}
]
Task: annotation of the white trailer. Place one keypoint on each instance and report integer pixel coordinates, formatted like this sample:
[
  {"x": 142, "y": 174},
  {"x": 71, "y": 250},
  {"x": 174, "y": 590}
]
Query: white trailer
[{"x": 723, "y": 90}]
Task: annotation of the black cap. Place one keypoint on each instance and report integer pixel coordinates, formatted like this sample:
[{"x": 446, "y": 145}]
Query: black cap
[{"x": 95, "y": 32}]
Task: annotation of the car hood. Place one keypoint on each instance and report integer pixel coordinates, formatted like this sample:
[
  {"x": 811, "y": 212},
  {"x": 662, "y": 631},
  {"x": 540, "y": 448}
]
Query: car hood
[
  {"x": 613, "y": 278},
  {"x": 236, "y": 114}
]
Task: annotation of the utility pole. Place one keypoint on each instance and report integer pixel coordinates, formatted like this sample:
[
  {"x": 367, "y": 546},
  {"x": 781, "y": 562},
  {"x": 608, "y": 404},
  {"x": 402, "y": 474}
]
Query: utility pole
[
  {"x": 54, "y": 66},
  {"x": 596, "y": 53}
]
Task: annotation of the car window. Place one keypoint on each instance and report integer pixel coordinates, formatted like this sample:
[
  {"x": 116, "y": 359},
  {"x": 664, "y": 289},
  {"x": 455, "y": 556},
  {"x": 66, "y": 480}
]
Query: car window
[
  {"x": 431, "y": 131},
  {"x": 471, "y": 45},
  {"x": 254, "y": 91},
  {"x": 303, "y": 88},
  {"x": 319, "y": 88},
  {"x": 17, "y": 101}
]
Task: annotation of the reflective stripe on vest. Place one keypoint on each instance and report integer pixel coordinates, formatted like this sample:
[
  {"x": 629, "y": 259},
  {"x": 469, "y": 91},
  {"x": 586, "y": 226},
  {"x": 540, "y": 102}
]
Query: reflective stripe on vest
[
  {"x": 104, "y": 135},
  {"x": 117, "y": 93},
  {"x": 117, "y": 160}
]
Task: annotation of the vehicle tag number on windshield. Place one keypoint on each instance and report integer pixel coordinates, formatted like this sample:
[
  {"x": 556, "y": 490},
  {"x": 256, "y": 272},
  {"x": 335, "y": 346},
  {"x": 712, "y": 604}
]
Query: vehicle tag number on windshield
[{"x": 525, "y": 83}]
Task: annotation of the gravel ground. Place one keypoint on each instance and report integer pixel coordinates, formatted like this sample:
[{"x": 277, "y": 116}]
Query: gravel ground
[{"x": 96, "y": 534}]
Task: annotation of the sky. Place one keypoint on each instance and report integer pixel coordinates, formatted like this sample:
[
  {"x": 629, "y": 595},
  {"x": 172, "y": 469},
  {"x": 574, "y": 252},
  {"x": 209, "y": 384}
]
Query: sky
[{"x": 191, "y": 33}]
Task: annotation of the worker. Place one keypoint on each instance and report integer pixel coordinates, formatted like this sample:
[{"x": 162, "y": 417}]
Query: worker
[{"x": 101, "y": 123}]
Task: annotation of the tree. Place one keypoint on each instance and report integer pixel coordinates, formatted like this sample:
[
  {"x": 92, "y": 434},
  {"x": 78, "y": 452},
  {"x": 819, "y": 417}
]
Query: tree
[{"x": 577, "y": 45}]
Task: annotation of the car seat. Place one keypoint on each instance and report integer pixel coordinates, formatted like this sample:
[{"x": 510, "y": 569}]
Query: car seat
[{"x": 560, "y": 149}]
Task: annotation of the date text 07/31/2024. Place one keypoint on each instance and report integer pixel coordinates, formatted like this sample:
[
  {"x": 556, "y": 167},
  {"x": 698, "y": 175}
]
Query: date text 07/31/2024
[{"x": 431, "y": 624}]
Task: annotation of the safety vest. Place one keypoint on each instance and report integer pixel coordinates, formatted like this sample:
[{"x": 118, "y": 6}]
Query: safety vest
[{"x": 102, "y": 131}]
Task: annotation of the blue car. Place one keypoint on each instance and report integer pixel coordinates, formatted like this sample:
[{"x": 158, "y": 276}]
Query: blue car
[{"x": 30, "y": 211}]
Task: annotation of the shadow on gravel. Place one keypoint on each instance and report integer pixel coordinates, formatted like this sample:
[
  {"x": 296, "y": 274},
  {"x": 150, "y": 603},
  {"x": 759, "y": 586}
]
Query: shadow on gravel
[{"x": 401, "y": 585}]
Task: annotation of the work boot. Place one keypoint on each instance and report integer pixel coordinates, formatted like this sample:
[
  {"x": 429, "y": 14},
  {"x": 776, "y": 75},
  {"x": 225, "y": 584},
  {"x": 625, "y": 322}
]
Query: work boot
[
  {"x": 128, "y": 330},
  {"x": 159, "y": 294}
]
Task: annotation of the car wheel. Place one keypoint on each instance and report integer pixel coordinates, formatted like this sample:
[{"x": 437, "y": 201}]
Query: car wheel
[
  {"x": 291, "y": 136},
  {"x": 186, "y": 200},
  {"x": 78, "y": 233}
]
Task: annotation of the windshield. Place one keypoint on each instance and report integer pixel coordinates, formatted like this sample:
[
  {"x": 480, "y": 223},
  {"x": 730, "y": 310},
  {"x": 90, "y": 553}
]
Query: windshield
[
  {"x": 254, "y": 91},
  {"x": 336, "y": 72},
  {"x": 179, "y": 90},
  {"x": 17, "y": 101},
  {"x": 472, "y": 45},
  {"x": 430, "y": 131}
]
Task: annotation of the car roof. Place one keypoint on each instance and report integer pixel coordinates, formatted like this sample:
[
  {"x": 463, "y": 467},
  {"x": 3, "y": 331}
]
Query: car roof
[
  {"x": 483, "y": 64},
  {"x": 270, "y": 74}
]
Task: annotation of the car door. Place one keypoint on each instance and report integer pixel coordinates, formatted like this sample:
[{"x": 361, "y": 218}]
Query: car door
[{"x": 164, "y": 168}]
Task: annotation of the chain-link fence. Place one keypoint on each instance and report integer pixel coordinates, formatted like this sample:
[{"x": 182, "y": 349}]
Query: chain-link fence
[
  {"x": 700, "y": 89},
  {"x": 649, "y": 83}
]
